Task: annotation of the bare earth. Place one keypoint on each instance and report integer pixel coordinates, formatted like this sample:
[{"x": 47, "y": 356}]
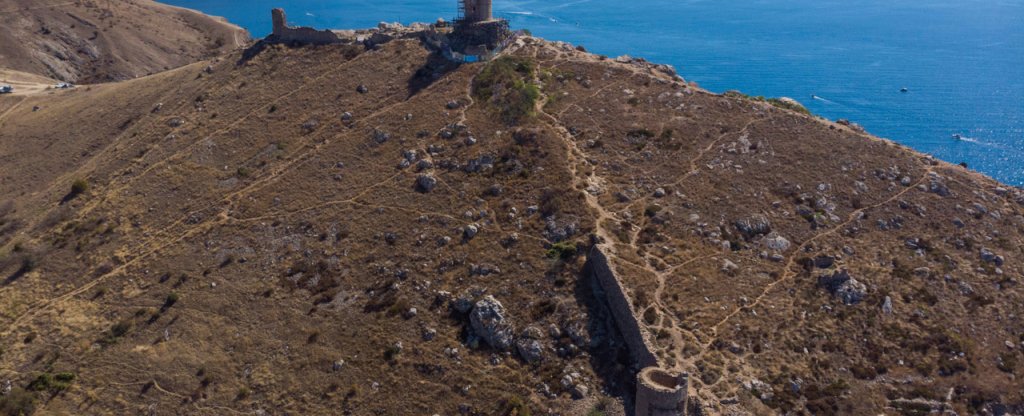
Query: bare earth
[{"x": 89, "y": 41}]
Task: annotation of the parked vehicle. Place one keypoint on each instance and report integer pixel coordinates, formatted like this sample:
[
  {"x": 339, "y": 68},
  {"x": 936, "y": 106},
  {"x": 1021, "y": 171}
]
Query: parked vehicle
[
  {"x": 6, "y": 89},
  {"x": 64, "y": 85}
]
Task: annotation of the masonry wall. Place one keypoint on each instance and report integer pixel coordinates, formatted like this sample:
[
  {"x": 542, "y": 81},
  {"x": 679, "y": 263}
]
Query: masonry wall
[
  {"x": 633, "y": 331},
  {"x": 305, "y": 35}
]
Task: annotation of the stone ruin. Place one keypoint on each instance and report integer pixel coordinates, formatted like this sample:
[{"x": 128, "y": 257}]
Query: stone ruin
[
  {"x": 477, "y": 33},
  {"x": 306, "y": 35},
  {"x": 474, "y": 36},
  {"x": 659, "y": 392}
]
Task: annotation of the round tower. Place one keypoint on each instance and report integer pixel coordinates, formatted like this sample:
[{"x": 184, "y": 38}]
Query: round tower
[
  {"x": 477, "y": 10},
  {"x": 660, "y": 393}
]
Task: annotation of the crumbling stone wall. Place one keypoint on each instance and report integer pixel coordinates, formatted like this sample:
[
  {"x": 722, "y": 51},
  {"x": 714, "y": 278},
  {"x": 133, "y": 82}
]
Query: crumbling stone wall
[
  {"x": 305, "y": 35},
  {"x": 659, "y": 392},
  {"x": 634, "y": 333}
]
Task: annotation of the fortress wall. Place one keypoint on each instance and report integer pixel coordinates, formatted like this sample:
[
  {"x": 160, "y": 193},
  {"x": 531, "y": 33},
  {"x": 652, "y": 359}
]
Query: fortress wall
[
  {"x": 659, "y": 392},
  {"x": 305, "y": 35},
  {"x": 633, "y": 331}
]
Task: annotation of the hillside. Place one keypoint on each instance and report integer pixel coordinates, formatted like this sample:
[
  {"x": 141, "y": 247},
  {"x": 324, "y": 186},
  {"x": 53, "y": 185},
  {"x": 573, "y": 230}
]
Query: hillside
[
  {"x": 90, "y": 41},
  {"x": 331, "y": 229}
]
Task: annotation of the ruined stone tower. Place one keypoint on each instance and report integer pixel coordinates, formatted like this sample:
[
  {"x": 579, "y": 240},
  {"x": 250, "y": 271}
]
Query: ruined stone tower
[
  {"x": 660, "y": 393},
  {"x": 476, "y": 10}
]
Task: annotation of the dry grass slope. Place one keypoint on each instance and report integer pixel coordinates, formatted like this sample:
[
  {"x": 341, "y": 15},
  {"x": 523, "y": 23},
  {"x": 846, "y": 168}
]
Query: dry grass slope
[
  {"x": 257, "y": 237},
  {"x": 90, "y": 41}
]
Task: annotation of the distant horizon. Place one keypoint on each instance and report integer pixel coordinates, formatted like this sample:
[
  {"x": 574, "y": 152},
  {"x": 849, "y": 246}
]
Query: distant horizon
[{"x": 961, "y": 62}]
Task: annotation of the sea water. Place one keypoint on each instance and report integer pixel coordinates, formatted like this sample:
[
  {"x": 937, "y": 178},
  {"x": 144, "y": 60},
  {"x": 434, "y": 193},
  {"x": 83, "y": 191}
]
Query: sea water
[{"x": 961, "y": 61}]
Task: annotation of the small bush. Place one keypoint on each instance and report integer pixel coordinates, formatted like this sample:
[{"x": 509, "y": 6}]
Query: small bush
[
  {"x": 391, "y": 353},
  {"x": 79, "y": 187},
  {"x": 54, "y": 383},
  {"x": 172, "y": 298},
  {"x": 563, "y": 250}
]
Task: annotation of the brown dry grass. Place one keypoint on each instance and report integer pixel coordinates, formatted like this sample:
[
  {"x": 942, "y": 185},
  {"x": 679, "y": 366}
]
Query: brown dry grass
[{"x": 290, "y": 244}]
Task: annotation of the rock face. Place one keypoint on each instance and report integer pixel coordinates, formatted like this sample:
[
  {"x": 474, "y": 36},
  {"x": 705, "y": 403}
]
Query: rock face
[
  {"x": 841, "y": 285},
  {"x": 489, "y": 322}
]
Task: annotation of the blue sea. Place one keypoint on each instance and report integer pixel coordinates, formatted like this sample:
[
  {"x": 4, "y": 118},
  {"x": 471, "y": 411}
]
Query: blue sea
[{"x": 962, "y": 61}]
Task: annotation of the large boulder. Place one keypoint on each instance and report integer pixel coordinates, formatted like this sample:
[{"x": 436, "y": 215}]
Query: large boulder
[
  {"x": 841, "y": 285},
  {"x": 754, "y": 225},
  {"x": 489, "y": 322}
]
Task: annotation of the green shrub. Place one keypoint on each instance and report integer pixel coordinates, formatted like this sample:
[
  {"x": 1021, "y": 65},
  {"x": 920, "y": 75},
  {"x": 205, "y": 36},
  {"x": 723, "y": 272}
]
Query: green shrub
[
  {"x": 563, "y": 250},
  {"x": 507, "y": 83},
  {"x": 789, "y": 105},
  {"x": 53, "y": 383}
]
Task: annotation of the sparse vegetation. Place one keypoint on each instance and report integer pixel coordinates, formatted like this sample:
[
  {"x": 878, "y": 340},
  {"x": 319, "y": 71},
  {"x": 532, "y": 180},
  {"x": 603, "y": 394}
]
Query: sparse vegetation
[
  {"x": 563, "y": 250},
  {"x": 507, "y": 83},
  {"x": 78, "y": 187},
  {"x": 53, "y": 383}
]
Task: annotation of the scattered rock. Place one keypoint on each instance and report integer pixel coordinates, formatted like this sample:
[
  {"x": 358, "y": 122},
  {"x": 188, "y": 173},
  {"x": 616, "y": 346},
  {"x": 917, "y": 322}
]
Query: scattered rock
[
  {"x": 489, "y": 323},
  {"x": 729, "y": 267},
  {"x": 425, "y": 183},
  {"x": 429, "y": 334},
  {"x": 989, "y": 257},
  {"x": 470, "y": 231},
  {"x": 841, "y": 285},
  {"x": 530, "y": 349},
  {"x": 338, "y": 365},
  {"x": 777, "y": 242},
  {"x": 887, "y": 306},
  {"x": 362, "y": 89},
  {"x": 659, "y": 193}
]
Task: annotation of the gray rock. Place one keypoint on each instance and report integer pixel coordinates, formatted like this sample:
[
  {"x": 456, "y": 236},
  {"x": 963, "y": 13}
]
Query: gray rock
[
  {"x": 423, "y": 165},
  {"x": 754, "y": 225},
  {"x": 989, "y": 257},
  {"x": 776, "y": 242},
  {"x": 338, "y": 365},
  {"x": 659, "y": 193},
  {"x": 841, "y": 285},
  {"x": 425, "y": 183},
  {"x": 346, "y": 116},
  {"x": 453, "y": 104},
  {"x": 381, "y": 136},
  {"x": 887, "y": 306},
  {"x": 530, "y": 349},
  {"x": 362, "y": 89},
  {"x": 580, "y": 391},
  {"x": 729, "y": 267},
  {"x": 470, "y": 231},
  {"x": 489, "y": 323},
  {"x": 429, "y": 334}
]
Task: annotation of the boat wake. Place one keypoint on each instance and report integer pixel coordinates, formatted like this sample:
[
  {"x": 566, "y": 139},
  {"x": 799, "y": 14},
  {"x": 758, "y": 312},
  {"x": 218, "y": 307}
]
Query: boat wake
[{"x": 822, "y": 99}]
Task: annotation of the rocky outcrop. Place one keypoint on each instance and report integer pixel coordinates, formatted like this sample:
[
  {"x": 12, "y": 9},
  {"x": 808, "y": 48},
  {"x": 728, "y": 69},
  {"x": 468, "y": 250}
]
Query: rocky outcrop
[{"x": 489, "y": 322}]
